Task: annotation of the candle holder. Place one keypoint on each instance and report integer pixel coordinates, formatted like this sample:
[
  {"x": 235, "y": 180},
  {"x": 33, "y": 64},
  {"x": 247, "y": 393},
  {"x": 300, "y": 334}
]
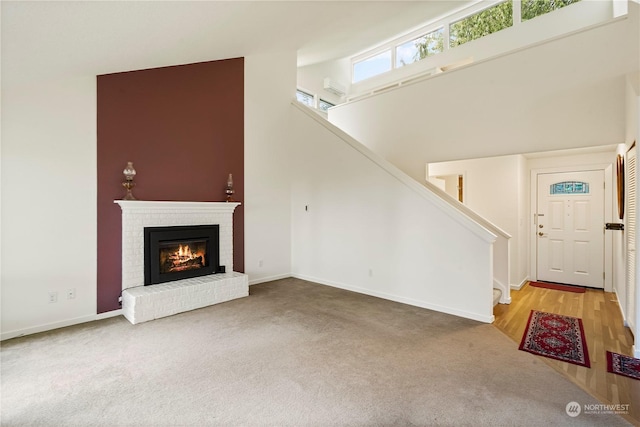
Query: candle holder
[
  {"x": 129, "y": 172},
  {"x": 229, "y": 191}
]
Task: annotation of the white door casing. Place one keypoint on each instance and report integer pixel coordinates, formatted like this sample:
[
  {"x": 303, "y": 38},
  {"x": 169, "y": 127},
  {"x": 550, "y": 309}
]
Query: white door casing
[{"x": 570, "y": 228}]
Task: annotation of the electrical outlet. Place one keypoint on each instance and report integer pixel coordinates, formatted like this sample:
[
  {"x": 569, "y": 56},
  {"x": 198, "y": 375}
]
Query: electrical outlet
[
  {"x": 71, "y": 293},
  {"x": 260, "y": 263},
  {"x": 53, "y": 297}
]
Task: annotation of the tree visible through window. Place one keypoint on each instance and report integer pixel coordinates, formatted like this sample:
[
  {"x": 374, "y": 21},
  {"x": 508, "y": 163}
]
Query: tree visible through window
[
  {"x": 487, "y": 21},
  {"x": 533, "y": 8},
  {"x": 481, "y": 24},
  {"x": 415, "y": 50}
]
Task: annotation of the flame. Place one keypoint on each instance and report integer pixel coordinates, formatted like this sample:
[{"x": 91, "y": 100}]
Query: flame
[
  {"x": 184, "y": 257},
  {"x": 185, "y": 252}
]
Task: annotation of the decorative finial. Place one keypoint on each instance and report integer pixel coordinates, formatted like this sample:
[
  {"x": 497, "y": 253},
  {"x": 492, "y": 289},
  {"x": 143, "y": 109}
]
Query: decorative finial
[
  {"x": 229, "y": 191},
  {"x": 129, "y": 172}
]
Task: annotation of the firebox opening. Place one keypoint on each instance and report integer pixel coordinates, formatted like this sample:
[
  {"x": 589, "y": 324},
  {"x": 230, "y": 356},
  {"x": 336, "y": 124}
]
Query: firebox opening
[
  {"x": 181, "y": 252},
  {"x": 183, "y": 255}
]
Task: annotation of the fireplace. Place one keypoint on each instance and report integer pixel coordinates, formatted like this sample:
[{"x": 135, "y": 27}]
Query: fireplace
[
  {"x": 180, "y": 252},
  {"x": 203, "y": 254}
]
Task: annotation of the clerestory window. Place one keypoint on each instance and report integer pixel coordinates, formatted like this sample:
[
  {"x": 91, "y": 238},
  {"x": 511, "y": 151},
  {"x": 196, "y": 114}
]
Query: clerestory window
[
  {"x": 481, "y": 24},
  {"x": 534, "y": 8},
  {"x": 448, "y": 34}
]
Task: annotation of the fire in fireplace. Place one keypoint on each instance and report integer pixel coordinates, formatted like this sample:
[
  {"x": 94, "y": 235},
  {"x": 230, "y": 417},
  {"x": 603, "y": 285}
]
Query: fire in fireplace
[
  {"x": 182, "y": 256},
  {"x": 174, "y": 253}
]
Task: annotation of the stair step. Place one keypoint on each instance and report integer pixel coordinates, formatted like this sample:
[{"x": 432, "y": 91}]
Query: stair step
[{"x": 497, "y": 293}]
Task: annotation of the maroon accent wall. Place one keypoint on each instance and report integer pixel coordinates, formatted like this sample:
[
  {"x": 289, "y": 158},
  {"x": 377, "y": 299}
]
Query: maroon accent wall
[{"x": 183, "y": 129}]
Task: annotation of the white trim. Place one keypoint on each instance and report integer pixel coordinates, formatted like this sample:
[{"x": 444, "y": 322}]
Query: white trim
[
  {"x": 378, "y": 85},
  {"x": 269, "y": 278},
  {"x": 57, "y": 325},
  {"x": 443, "y": 21},
  {"x": 128, "y": 205},
  {"x": 607, "y": 169},
  {"x": 109, "y": 314},
  {"x": 459, "y": 212},
  {"x": 519, "y": 286},
  {"x": 505, "y": 297},
  {"x": 395, "y": 298}
]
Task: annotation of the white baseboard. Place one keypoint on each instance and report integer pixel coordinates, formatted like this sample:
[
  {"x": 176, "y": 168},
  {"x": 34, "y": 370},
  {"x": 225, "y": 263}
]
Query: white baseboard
[
  {"x": 56, "y": 325},
  {"x": 268, "y": 278},
  {"x": 518, "y": 287},
  {"x": 396, "y": 298}
]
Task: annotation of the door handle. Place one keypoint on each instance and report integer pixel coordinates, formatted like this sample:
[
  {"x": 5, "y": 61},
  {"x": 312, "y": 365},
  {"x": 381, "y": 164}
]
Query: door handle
[{"x": 540, "y": 234}]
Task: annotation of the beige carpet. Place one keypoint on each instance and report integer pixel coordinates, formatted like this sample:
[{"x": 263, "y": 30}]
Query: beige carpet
[{"x": 291, "y": 354}]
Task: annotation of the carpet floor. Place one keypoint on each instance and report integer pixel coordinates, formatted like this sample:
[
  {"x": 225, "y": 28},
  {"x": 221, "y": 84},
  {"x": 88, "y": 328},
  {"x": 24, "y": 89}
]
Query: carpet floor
[{"x": 293, "y": 353}]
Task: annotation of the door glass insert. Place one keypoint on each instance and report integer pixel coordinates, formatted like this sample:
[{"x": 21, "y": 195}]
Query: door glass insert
[{"x": 570, "y": 187}]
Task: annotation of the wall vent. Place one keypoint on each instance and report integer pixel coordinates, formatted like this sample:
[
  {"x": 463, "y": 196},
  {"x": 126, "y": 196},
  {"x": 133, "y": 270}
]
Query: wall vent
[{"x": 334, "y": 87}]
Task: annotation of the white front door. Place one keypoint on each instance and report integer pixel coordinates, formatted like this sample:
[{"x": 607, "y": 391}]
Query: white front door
[{"x": 570, "y": 228}]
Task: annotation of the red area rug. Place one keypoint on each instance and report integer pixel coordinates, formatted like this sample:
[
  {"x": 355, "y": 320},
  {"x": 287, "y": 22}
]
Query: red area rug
[
  {"x": 556, "y": 336},
  {"x": 558, "y": 287},
  {"x": 623, "y": 365}
]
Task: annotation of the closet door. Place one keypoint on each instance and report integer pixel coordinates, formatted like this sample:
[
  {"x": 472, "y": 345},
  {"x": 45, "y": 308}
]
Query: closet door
[{"x": 631, "y": 193}]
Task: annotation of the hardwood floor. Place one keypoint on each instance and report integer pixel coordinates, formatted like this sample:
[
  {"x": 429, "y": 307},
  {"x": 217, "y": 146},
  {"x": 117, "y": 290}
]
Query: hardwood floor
[{"x": 603, "y": 328}]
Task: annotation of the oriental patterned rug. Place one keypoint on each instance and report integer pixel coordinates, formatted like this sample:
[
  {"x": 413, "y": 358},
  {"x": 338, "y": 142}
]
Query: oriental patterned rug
[
  {"x": 623, "y": 365},
  {"x": 557, "y": 337}
]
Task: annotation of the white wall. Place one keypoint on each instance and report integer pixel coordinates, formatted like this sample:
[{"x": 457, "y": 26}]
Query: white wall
[
  {"x": 270, "y": 85},
  {"x": 49, "y": 191},
  {"x": 523, "y": 225},
  {"x": 605, "y": 155},
  {"x": 48, "y": 202},
  {"x": 565, "y": 20},
  {"x": 358, "y": 227},
  {"x": 550, "y": 96},
  {"x": 493, "y": 190},
  {"x": 311, "y": 78}
]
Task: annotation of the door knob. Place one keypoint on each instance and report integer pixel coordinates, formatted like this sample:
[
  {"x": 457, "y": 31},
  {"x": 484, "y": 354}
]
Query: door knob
[{"x": 540, "y": 234}]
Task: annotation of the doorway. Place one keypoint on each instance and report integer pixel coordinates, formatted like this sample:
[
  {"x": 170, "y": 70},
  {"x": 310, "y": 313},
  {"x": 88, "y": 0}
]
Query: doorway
[
  {"x": 453, "y": 185},
  {"x": 569, "y": 224}
]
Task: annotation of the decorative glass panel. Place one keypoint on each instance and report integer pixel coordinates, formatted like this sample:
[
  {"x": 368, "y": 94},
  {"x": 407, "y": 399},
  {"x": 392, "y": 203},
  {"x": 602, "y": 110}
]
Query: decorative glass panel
[
  {"x": 305, "y": 98},
  {"x": 570, "y": 187},
  {"x": 324, "y": 105}
]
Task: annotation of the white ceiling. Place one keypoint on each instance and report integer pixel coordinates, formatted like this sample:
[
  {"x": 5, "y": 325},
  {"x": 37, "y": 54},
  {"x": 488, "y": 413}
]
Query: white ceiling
[{"x": 60, "y": 38}]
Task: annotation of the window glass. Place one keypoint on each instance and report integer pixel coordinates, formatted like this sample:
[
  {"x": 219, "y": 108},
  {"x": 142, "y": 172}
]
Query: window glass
[
  {"x": 305, "y": 98},
  {"x": 372, "y": 66},
  {"x": 481, "y": 24},
  {"x": 324, "y": 105},
  {"x": 415, "y": 50},
  {"x": 533, "y": 8}
]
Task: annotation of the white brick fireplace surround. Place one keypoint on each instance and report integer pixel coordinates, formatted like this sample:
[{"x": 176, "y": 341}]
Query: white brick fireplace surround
[{"x": 143, "y": 303}]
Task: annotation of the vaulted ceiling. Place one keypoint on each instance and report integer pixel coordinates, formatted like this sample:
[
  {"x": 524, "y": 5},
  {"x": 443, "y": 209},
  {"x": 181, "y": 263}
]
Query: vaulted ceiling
[{"x": 102, "y": 37}]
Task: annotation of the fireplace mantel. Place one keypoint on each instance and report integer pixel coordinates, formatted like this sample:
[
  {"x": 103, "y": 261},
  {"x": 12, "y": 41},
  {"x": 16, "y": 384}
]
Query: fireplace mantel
[
  {"x": 130, "y": 205},
  {"x": 141, "y": 303}
]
